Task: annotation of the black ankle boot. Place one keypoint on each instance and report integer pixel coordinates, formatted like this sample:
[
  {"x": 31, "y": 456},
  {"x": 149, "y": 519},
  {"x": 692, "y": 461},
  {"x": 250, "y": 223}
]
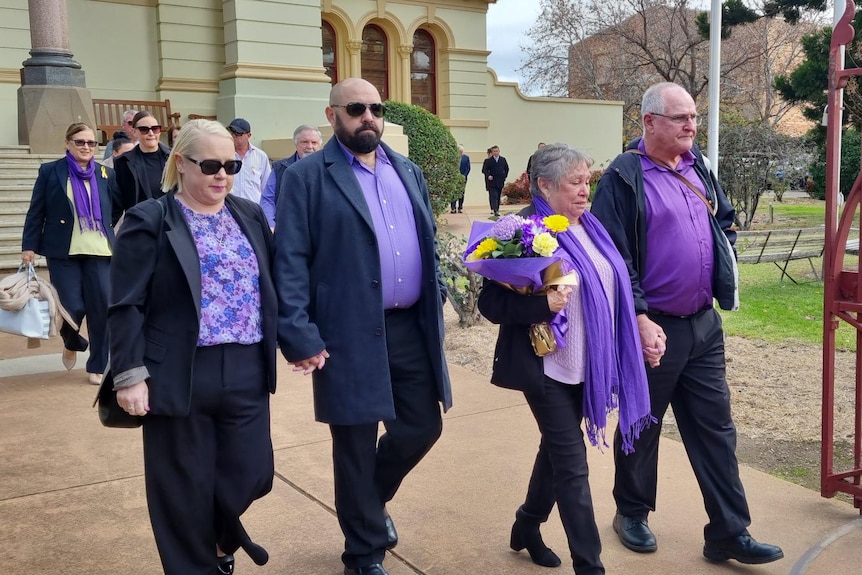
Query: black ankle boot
[
  {"x": 526, "y": 535},
  {"x": 225, "y": 565}
]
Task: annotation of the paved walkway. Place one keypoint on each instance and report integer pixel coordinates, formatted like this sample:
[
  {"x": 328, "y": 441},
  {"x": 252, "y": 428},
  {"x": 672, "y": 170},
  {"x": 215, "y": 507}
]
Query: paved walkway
[{"x": 72, "y": 493}]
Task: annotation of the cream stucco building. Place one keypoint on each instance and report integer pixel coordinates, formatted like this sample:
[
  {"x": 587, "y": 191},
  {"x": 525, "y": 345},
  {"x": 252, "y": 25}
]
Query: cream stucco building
[{"x": 273, "y": 61}]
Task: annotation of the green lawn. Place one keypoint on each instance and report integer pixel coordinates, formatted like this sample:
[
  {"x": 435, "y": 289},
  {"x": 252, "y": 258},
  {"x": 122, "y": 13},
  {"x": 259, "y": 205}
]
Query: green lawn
[{"x": 776, "y": 311}]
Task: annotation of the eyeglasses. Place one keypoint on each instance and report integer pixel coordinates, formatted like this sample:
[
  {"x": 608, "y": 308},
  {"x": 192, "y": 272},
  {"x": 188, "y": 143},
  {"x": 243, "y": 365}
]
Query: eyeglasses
[
  {"x": 682, "y": 119},
  {"x": 147, "y": 129},
  {"x": 82, "y": 143},
  {"x": 212, "y": 167},
  {"x": 129, "y": 123},
  {"x": 356, "y": 109}
]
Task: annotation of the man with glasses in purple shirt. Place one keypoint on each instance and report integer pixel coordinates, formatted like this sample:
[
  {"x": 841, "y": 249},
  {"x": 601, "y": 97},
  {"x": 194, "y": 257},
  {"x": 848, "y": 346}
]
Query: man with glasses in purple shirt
[
  {"x": 361, "y": 309},
  {"x": 673, "y": 226}
]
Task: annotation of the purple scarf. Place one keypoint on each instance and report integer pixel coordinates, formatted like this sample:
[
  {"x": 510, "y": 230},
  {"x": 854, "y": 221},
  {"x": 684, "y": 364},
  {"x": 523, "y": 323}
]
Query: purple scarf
[
  {"x": 615, "y": 372},
  {"x": 89, "y": 215}
]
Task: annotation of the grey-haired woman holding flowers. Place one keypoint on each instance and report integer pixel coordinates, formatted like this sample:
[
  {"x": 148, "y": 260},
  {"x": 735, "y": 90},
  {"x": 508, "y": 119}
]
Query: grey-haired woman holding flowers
[{"x": 564, "y": 387}]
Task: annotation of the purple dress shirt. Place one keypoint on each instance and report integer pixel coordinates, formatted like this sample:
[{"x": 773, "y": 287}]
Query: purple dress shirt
[
  {"x": 395, "y": 229},
  {"x": 677, "y": 275}
]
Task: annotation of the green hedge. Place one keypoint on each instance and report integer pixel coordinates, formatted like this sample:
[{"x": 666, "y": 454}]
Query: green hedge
[{"x": 433, "y": 149}]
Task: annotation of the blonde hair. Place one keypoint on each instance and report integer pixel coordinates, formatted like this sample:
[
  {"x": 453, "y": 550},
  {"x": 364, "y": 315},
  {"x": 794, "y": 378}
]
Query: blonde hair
[{"x": 186, "y": 144}]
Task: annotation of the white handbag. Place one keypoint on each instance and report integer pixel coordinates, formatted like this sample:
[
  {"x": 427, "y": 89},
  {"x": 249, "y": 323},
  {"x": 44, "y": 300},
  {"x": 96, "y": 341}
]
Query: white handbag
[{"x": 33, "y": 320}]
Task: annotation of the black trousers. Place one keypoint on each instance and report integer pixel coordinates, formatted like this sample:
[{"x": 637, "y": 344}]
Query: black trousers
[
  {"x": 692, "y": 380},
  {"x": 561, "y": 475},
  {"x": 369, "y": 471},
  {"x": 82, "y": 284},
  {"x": 494, "y": 195},
  {"x": 203, "y": 471}
]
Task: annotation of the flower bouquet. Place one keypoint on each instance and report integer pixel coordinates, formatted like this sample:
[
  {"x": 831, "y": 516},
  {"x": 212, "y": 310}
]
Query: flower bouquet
[{"x": 518, "y": 252}]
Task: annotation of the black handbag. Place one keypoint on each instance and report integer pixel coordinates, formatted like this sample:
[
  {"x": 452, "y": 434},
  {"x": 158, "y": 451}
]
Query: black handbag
[{"x": 110, "y": 412}]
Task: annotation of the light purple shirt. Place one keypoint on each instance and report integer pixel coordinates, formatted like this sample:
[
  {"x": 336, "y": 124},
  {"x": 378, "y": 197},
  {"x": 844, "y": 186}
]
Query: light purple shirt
[
  {"x": 677, "y": 275},
  {"x": 395, "y": 229}
]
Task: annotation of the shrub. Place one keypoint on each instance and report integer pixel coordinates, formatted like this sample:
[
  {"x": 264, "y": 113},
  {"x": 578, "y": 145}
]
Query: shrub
[
  {"x": 432, "y": 148},
  {"x": 464, "y": 286},
  {"x": 518, "y": 192},
  {"x": 851, "y": 144}
]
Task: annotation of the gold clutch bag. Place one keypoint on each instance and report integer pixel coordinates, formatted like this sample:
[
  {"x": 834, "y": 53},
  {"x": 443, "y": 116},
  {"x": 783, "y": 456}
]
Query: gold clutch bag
[{"x": 542, "y": 339}]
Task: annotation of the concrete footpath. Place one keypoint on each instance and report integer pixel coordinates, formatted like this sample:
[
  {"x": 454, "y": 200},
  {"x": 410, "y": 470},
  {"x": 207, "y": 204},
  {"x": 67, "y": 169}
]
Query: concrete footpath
[{"x": 72, "y": 492}]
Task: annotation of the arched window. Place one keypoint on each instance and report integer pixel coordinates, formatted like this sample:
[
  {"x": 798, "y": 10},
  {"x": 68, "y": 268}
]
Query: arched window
[
  {"x": 330, "y": 60},
  {"x": 375, "y": 59},
  {"x": 423, "y": 67}
]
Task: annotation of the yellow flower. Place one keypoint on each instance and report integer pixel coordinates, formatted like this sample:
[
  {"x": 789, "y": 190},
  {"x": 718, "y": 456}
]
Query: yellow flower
[
  {"x": 484, "y": 249},
  {"x": 545, "y": 244},
  {"x": 556, "y": 223}
]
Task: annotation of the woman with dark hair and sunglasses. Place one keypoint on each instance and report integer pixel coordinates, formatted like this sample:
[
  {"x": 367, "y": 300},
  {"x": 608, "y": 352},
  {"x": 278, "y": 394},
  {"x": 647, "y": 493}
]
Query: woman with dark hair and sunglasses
[
  {"x": 192, "y": 319},
  {"x": 69, "y": 222},
  {"x": 139, "y": 171}
]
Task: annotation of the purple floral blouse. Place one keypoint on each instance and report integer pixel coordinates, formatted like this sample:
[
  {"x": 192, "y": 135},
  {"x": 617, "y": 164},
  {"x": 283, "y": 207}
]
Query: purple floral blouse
[{"x": 230, "y": 279}]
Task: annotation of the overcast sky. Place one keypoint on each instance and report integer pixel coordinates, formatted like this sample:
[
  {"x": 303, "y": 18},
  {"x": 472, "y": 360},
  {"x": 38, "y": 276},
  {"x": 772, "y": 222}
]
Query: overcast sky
[{"x": 508, "y": 21}]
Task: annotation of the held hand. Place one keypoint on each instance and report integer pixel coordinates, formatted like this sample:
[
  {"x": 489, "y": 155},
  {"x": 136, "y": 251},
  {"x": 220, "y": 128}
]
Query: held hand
[
  {"x": 306, "y": 366},
  {"x": 28, "y": 257},
  {"x": 135, "y": 399},
  {"x": 558, "y": 298},
  {"x": 653, "y": 340}
]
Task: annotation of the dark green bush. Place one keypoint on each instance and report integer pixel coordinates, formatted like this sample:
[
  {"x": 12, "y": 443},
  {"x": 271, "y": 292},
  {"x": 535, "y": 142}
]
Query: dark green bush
[
  {"x": 433, "y": 149},
  {"x": 850, "y": 150}
]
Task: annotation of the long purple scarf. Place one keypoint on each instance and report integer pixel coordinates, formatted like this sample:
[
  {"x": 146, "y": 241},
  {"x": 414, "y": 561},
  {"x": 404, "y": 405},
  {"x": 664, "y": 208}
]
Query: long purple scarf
[
  {"x": 87, "y": 206},
  {"x": 615, "y": 372}
]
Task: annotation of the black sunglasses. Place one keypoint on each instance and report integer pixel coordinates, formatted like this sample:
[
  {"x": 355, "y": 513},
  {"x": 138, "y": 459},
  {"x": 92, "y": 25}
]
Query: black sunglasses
[
  {"x": 356, "y": 109},
  {"x": 82, "y": 143},
  {"x": 212, "y": 167},
  {"x": 146, "y": 129}
]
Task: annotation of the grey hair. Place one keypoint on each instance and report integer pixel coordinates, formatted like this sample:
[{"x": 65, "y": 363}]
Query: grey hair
[
  {"x": 553, "y": 163},
  {"x": 653, "y": 99},
  {"x": 129, "y": 114},
  {"x": 303, "y": 128}
]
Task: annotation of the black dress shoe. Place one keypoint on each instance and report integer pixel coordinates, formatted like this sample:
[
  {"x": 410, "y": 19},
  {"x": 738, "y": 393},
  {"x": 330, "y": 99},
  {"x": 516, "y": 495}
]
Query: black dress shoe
[
  {"x": 225, "y": 565},
  {"x": 744, "y": 549},
  {"x": 391, "y": 534},
  {"x": 634, "y": 533},
  {"x": 527, "y": 535},
  {"x": 374, "y": 569}
]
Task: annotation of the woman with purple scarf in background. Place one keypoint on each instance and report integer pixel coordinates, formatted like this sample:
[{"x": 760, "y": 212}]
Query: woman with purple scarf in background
[
  {"x": 70, "y": 223},
  {"x": 599, "y": 368}
]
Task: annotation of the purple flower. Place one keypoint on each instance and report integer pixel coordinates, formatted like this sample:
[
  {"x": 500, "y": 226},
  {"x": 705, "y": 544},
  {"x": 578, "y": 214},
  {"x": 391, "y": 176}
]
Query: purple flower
[{"x": 506, "y": 227}]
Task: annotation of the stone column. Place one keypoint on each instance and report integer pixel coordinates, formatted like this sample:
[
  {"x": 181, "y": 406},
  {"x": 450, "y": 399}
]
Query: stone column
[
  {"x": 355, "y": 49},
  {"x": 404, "y": 53},
  {"x": 53, "y": 92}
]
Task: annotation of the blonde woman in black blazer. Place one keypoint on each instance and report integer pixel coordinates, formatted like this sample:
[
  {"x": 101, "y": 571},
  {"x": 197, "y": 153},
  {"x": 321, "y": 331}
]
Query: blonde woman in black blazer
[
  {"x": 193, "y": 330},
  {"x": 69, "y": 222}
]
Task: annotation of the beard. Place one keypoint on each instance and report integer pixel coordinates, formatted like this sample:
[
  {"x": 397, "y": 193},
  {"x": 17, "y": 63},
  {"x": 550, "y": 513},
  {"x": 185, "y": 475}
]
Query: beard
[{"x": 363, "y": 140}]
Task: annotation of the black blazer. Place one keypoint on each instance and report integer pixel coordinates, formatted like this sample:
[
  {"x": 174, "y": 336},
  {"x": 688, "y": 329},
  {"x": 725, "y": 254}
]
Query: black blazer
[
  {"x": 132, "y": 179},
  {"x": 328, "y": 272},
  {"x": 50, "y": 218},
  {"x": 499, "y": 169},
  {"x": 516, "y": 365},
  {"x": 155, "y": 304}
]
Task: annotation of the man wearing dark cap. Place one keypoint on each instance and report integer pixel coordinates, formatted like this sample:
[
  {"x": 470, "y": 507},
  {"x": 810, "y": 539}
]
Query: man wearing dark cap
[{"x": 249, "y": 182}]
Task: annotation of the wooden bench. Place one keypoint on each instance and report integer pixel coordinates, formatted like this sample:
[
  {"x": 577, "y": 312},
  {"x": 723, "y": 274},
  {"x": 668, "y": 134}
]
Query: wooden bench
[
  {"x": 109, "y": 114},
  {"x": 780, "y": 247}
]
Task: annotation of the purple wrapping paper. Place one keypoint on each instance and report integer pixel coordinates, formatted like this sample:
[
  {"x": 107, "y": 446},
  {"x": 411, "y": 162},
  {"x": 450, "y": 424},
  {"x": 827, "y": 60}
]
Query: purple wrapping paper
[{"x": 516, "y": 272}]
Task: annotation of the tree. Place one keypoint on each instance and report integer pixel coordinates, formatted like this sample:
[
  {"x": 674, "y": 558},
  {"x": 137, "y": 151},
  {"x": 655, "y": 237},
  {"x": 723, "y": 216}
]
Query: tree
[
  {"x": 755, "y": 157},
  {"x": 615, "y": 50},
  {"x": 433, "y": 148}
]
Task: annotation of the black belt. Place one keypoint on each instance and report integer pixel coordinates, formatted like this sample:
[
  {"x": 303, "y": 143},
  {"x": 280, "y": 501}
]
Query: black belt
[
  {"x": 394, "y": 310},
  {"x": 676, "y": 315}
]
